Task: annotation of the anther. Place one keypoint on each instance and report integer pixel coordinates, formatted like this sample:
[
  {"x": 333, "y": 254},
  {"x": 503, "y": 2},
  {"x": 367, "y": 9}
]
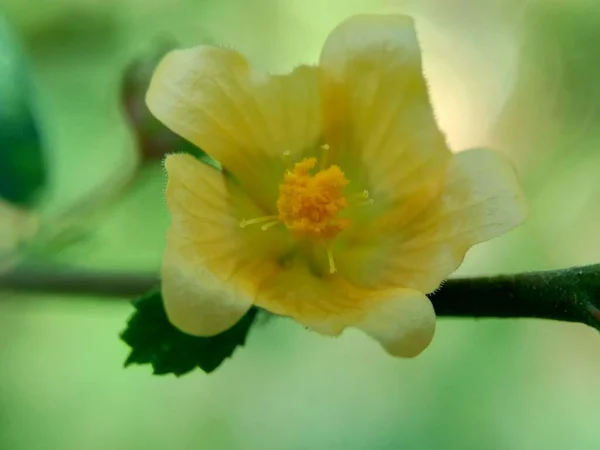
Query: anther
[
  {"x": 361, "y": 195},
  {"x": 368, "y": 201},
  {"x": 325, "y": 148},
  {"x": 332, "y": 268},
  {"x": 266, "y": 226},
  {"x": 287, "y": 160},
  {"x": 244, "y": 222},
  {"x": 363, "y": 198}
]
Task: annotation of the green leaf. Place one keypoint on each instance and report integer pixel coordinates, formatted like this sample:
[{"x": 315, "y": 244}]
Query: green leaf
[
  {"x": 154, "y": 340},
  {"x": 22, "y": 163}
]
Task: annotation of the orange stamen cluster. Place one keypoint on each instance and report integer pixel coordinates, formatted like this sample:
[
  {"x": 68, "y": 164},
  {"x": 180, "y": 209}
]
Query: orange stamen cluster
[{"x": 309, "y": 204}]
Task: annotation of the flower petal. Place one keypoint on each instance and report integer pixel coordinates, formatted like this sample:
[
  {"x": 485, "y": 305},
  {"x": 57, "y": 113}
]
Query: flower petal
[
  {"x": 197, "y": 302},
  {"x": 322, "y": 302},
  {"x": 377, "y": 109},
  {"x": 481, "y": 199},
  {"x": 244, "y": 119},
  {"x": 210, "y": 270},
  {"x": 403, "y": 320},
  {"x": 404, "y": 324},
  {"x": 326, "y": 303}
]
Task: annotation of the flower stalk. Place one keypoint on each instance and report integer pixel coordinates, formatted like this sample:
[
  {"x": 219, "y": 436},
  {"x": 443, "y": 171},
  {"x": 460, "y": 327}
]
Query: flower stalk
[{"x": 570, "y": 295}]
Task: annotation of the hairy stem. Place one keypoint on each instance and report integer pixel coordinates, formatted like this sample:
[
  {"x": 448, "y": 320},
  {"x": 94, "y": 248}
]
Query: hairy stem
[{"x": 571, "y": 294}]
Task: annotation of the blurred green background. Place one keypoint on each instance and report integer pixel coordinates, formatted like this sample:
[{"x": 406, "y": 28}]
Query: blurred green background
[{"x": 518, "y": 75}]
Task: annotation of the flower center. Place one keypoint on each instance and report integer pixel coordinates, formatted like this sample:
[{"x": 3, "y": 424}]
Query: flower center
[{"x": 309, "y": 204}]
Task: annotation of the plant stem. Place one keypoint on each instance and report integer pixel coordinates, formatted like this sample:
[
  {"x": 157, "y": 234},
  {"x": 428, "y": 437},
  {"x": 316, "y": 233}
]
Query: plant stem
[
  {"x": 571, "y": 294},
  {"x": 68, "y": 281}
]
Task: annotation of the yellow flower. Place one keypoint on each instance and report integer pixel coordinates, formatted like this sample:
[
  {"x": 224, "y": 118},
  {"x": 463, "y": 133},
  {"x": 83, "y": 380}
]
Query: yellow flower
[{"x": 340, "y": 204}]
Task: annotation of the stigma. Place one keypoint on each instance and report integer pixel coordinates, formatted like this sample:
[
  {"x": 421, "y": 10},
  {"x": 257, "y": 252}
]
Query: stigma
[{"x": 309, "y": 203}]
